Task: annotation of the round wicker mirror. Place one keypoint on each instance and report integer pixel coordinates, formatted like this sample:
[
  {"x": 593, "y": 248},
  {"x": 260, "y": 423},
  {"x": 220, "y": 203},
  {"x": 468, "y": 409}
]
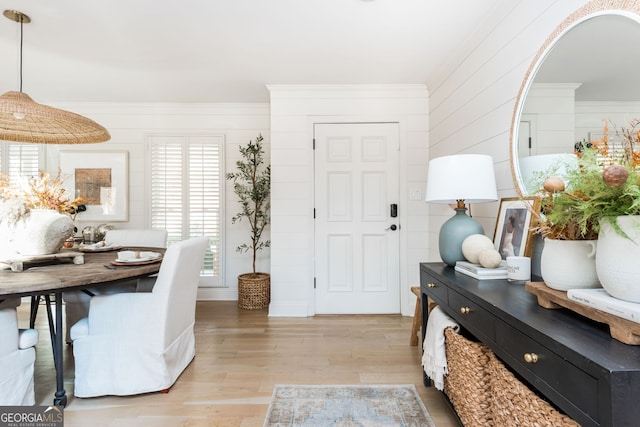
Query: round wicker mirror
[{"x": 587, "y": 60}]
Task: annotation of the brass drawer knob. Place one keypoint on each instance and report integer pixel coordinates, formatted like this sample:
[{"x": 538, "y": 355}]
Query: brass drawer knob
[
  {"x": 431, "y": 285},
  {"x": 465, "y": 310},
  {"x": 530, "y": 357}
]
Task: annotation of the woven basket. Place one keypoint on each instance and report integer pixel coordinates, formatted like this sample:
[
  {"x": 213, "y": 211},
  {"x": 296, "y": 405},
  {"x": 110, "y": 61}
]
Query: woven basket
[
  {"x": 514, "y": 404},
  {"x": 254, "y": 291},
  {"x": 467, "y": 381}
]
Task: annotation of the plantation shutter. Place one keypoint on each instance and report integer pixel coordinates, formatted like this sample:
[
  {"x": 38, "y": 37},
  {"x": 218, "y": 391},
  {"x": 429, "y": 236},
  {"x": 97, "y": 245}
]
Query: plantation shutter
[
  {"x": 19, "y": 161},
  {"x": 186, "y": 193}
]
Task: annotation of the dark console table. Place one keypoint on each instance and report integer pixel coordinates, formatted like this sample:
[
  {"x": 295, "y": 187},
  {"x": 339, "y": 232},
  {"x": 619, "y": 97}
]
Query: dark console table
[{"x": 572, "y": 361}]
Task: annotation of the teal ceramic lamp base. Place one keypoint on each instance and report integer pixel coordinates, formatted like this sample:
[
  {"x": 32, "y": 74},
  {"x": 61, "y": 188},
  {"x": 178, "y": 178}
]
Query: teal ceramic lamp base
[{"x": 452, "y": 234}]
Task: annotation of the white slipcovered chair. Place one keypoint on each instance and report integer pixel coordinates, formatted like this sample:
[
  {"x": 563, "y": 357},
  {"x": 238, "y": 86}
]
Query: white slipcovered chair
[
  {"x": 17, "y": 357},
  {"x": 77, "y": 302},
  {"x": 137, "y": 237},
  {"x": 134, "y": 343}
]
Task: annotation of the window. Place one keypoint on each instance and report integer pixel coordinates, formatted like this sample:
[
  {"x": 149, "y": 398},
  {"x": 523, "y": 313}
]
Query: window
[
  {"x": 19, "y": 160},
  {"x": 187, "y": 181}
]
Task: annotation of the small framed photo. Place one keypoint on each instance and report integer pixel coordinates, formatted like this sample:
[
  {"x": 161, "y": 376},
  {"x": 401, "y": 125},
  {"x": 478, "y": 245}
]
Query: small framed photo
[
  {"x": 513, "y": 236},
  {"x": 101, "y": 179}
]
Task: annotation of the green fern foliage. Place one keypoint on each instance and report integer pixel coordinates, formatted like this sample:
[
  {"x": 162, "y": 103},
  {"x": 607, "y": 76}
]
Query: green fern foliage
[{"x": 591, "y": 194}]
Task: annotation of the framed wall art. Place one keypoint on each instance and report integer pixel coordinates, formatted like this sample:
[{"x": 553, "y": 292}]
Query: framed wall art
[
  {"x": 100, "y": 178},
  {"x": 512, "y": 236}
]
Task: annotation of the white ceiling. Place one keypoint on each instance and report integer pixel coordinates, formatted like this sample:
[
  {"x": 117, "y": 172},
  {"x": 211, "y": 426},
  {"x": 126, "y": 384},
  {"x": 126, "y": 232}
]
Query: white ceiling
[{"x": 228, "y": 50}]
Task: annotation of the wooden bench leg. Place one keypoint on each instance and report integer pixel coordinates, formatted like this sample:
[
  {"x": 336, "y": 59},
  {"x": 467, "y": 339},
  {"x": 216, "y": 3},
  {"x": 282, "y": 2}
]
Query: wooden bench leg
[{"x": 417, "y": 317}]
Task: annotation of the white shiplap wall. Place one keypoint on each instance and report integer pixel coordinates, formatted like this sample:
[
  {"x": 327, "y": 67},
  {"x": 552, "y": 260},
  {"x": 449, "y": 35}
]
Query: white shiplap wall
[
  {"x": 294, "y": 109},
  {"x": 129, "y": 124},
  {"x": 590, "y": 116},
  {"x": 472, "y": 103},
  {"x": 468, "y": 109}
]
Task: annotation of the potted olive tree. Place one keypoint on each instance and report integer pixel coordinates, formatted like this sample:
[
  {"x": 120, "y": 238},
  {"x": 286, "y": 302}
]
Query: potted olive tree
[{"x": 252, "y": 185}]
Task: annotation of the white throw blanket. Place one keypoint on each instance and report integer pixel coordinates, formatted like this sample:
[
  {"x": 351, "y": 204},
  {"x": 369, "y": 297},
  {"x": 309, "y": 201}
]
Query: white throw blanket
[{"x": 434, "y": 357}]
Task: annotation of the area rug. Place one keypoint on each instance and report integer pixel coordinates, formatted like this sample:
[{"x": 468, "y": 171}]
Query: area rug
[{"x": 347, "y": 405}]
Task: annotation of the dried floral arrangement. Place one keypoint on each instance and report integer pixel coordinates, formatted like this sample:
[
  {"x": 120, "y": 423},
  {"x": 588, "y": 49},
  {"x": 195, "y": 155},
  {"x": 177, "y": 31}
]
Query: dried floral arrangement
[
  {"x": 41, "y": 192},
  {"x": 605, "y": 184}
]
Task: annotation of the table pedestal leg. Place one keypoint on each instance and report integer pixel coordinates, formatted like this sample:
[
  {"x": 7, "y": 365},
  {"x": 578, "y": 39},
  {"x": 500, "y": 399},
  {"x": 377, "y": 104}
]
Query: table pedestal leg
[
  {"x": 33, "y": 312},
  {"x": 56, "y": 332}
]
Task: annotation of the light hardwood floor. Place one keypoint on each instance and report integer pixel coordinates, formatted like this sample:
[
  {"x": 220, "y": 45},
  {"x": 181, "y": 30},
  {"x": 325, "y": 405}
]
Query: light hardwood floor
[{"x": 240, "y": 355}]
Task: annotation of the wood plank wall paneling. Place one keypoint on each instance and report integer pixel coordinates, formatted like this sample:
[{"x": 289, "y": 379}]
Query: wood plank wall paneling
[
  {"x": 469, "y": 108},
  {"x": 590, "y": 115},
  {"x": 130, "y": 123},
  {"x": 294, "y": 109},
  {"x": 472, "y": 103}
]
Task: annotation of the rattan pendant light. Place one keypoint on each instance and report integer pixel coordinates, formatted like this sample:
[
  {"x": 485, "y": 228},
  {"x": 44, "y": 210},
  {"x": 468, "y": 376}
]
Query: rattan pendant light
[{"x": 24, "y": 120}]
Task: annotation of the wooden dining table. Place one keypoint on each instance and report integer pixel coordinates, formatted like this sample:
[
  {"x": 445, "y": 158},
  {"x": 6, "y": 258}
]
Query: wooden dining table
[{"x": 50, "y": 279}]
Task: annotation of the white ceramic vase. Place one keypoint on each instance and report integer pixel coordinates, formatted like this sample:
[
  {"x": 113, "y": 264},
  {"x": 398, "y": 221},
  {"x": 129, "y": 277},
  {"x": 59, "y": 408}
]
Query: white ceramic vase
[
  {"x": 569, "y": 264},
  {"x": 618, "y": 258},
  {"x": 43, "y": 232}
]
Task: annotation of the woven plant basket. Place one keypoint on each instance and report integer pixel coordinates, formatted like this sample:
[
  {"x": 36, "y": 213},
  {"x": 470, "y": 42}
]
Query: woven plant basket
[
  {"x": 467, "y": 381},
  {"x": 254, "y": 291},
  {"x": 514, "y": 404}
]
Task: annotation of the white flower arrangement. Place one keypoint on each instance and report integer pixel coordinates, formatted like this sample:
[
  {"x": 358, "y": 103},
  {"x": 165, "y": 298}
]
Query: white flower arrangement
[
  {"x": 12, "y": 210},
  {"x": 41, "y": 192}
]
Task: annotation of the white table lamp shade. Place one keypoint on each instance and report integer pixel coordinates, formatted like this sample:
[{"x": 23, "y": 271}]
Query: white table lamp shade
[
  {"x": 460, "y": 178},
  {"x": 468, "y": 177}
]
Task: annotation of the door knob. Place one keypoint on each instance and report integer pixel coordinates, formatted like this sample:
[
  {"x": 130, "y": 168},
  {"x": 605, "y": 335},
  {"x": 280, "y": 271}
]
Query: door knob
[{"x": 392, "y": 227}]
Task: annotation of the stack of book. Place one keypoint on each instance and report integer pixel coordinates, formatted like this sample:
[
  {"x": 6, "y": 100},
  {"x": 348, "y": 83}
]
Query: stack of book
[
  {"x": 480, "y": 272},
  {"x": 601, "y": 300}
]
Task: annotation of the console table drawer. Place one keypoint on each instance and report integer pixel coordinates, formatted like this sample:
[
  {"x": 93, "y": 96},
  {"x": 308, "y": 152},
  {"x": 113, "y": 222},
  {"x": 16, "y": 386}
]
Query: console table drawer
[
  {"x": 577, "y": 386},
  {"x": 584, "y": 372},
  {"x": 472, "y": 317},
  {"x": 436, "y": 290}
]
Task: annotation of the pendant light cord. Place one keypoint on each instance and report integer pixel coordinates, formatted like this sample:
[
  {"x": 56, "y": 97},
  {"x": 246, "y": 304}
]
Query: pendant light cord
[
  {"x": 24, "y": 120},
  {"x": 21, "y": 37}
]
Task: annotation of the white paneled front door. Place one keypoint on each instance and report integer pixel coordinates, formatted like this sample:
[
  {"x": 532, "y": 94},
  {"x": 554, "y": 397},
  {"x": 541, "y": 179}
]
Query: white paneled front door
[{"x": 357, "y": 249}]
